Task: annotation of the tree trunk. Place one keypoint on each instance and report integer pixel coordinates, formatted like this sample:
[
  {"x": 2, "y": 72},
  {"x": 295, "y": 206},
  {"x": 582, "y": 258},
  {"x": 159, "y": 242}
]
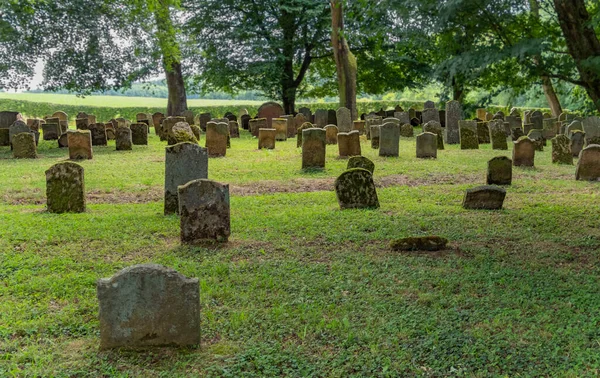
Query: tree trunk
[
  {"x": 458, "y": 90},
  {"x": 289, "y": 100},
  {"x": 177, "y": 103},
  {"x": 582, "y": 42},
  {"x": 345, "y": 61},
  {"x": 287, "y": 21}
]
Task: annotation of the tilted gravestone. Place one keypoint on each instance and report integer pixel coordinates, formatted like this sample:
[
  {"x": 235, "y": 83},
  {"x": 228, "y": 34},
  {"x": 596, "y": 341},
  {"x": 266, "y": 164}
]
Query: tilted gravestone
[
  {"x": 468, "y": 135},
  {"x": 280, "y": 125},
  {"x": 299, "y": 120},
  {"x": 139, "y": 134},
  {"x": 427, "y": 145},
  {"x": 184, "y": 162},
  {"x": 80, "y": 144},
  {"x": 435, "y": 128},
  {"x": 24, "y": 146},
  {"x": 123, "y": 141},
  {"x": 65, "y": 188},
  {"x": 205, "y": 212},
  {"x": 538, "y": 139},
  {"x": 453, "y": 115},
  {"x": 588, "y": 166},
  {"x": 349, "y": 144},
  {"x": 266, "y": 138},
  {"x": 344, "y": 120},
  {"x": 216, "y": 139},
  {"x": 331, "y": 133},
  {"x": 561, "y": 150},
  {"x": 355, "y": 189},
  {"x": 389, "y": 139},
  {"x": 499, "y": 171},
  {"x": 361, "y": 162},
  {"x": 577, "y": 142},
  {"x": 524, "y": 152},
  {"x": 270, "y": 110},
  {"x": 484, "y": 198},
  {"x": 313, "y": 148},
  {"x": 148, "y": 306},
  {"x": 498, "y": 135}
]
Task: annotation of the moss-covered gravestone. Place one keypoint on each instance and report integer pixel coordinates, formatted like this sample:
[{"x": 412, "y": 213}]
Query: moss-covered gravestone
[
  {"x": 524, "y": 152},
  {"x": 577, "y": 142},
  {"x": 588, "y": 166},
  {"x": 355, "y": 189},
  {"x": 266, "y": 139},
  {"x": 65, "y": 188},
  {"x": 435, "y": 128},
  {"x": 498, "y": 134},
  {"x": 499, "y": 171},
  {"x": 98, "y": 131},
  {"x": 361, "y": 162},
  {"x": 406, "y": 131},
  {"x": 483, "y": 132},
  {"x": 139, "y": 134},
  {"x": 484, "y": 198},
  {"x": 205, "y": 212},
  {"x": 184, "y": 162},
  {"x": 123, "y": 140},
  {"x": 468, "y": 135},
  {"x": 24, "y": 146},
  {"x": 538, "y": 139},
  {"x": 561, "y": 150},
  {"x": 181, "y": 132},
  {"x": 313, "y": 148}
]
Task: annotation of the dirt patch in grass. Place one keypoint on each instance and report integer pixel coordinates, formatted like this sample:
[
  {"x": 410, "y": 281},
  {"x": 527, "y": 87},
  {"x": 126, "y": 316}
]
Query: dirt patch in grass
[{"x": 153, "y": 194}]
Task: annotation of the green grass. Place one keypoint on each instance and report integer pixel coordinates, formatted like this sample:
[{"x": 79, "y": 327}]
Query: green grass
[{"x": 302, "y": 288}]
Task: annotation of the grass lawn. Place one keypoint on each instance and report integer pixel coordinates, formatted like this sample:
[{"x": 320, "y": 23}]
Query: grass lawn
[{"x": 302, "y": 288}]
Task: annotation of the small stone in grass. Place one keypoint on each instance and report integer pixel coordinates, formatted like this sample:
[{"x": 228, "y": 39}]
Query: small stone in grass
[{"x": 423, "y": 243}]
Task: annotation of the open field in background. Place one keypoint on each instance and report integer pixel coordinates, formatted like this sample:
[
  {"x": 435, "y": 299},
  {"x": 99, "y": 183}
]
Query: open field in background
[{"x": 302, "y": 288}]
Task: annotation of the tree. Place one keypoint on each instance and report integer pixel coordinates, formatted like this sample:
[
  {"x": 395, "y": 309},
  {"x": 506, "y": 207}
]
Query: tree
[{"x": 345, "y": 61}]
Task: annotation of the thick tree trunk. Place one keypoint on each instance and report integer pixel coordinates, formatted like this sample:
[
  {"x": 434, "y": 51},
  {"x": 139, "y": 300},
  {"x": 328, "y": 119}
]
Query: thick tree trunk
[
  {"x": 345, "y": 61},
  {"x": 287, "y": 21},
  {"x": 582, "y": 42},
  {"x": 458, "y": 90},
  {"x": 551, "y": 97},
  {"x": 177, "y": 103}
]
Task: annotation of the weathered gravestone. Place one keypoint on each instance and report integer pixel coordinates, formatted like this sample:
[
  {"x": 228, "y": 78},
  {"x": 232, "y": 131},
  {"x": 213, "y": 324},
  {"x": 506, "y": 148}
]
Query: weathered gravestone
[
  {"x": 204, "y": 119},
  {"x": 403, "y": 117},
  {"x": 591, "y": 127},
  {"x": 524, "y": 152},
  {"x": 372, "y": 121},
  {"x": 355, "y": 189},
  {"x": 429, "y": 105},
  {"x": 577, "y": 142},
  {"x": 291, "y": 128},
  {"x": 537, "y": 120},
  {"x": 498, "y": 135},
  {"x": 484, "y": 198},
  {"x": 245, "y": 121},
  {"x": 230, "y": 117},
  {"x": 51, "y": 131},
  {"x": 266, "y": 138},
  {"x": 344, "y": 120},
  {"x": 7, "y": 118},
  {"x": 98, "y": 133},
  {"x": 349, "y": 144},
  {"x": 82, "y": 123},
  {"x": 167, "y": 127},
  {"x": 359, "y": 125},
  {"x": 431, "y": 115},
  {"x": 573, "y": 126},
  {"x": 483, "y": 132},
  {"x": 205, "y": 212},
  {"x": 17, "y": 128},
  {"x": 468, "y": 135},
  {"x": 280, "y": 125},
  {"x": 331, "y": 117},
  {"x": 63, "y": 141},
  {"x": 234, "y": 129},
  {"x": 389, "y": 139},
  {"x": 480, "y": 114},
  {"x": 321, "y": 118},
  {"x": 257, "y": 124},
  {"x": 270, "y": 110},
  {"x": 216, "y": 139},
  {"x": 189, "y": 116},
  {"x": 435, "y": 128},
  {"x": 331, "y": 133},
  {"x": 148, "y": 306},
  {"x": 588, "y": 166},
  {"x": 181, "y": 132},
  {"x": 313, "y": 148},
  {"x": 197, "y": 131},
  {"x": 374, "y": 130},
  {"x": 157, "y": 119},
  {"x": 80, "y": 144},
  {"x": 538, "y": 139},
  {"x": 184, "y": 162},
  {"x": 499, "y": 171},
  {"x": 65, "y": 188},
  {"x": 427, "y": 145},
  {"x": 299, "y": 120},
  {"x": 561, "y": 150},
  {"x": 307, "y": 113},
  {"x": 123, "y": 140},
  {"x": 361, "y": 162},
  {"x": 110, "y": 131},
  {"x": 406, "y": 130},
  {"x": 139, "y": 134},
  {"x": 24, "y": 146},
  {"x": 305, "y": 125},
  {"x": 453, "y": 115}
]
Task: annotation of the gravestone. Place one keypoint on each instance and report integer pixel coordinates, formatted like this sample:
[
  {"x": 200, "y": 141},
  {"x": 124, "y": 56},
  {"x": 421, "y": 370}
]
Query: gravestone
[
  {"x": 205, "y": 212},
  {"x": 573, "y": 126},
  {"x": 139, "y": 134},
  {"x": 499, "y": 171},
  {"x": 355, "y": 189},
  {"x": 389, "y": 140},
  {"x": 229, "y": 116},
  {"x": 157, "y": 119},
  {"x": 63, "y": 141},
  {"x": 430, "y": 114},
  {"x": 266, "y": 138},
  {"x": 371, "y": 122},
  {"x": 80, "y": 144},
  {"x": 588, "y": 166},
  {"x": 234, "y": 129},
  {"x": 591, "y": 127},
  {"x": 4, "y": 137},
  {"x": 24, "y": 146},
  {"x": 167, "y": 128},
  {"x": 361, "y": 162},
  {"x": 216, "y": 139},
  {"x": 307, "y": 113},
  {"x": 299, "y": 120},
  {"x": 453, "y": 115},
  {"x": 98, "y": 133},
  {"x": 280, "y": 125},
  {"x": 468, "y": 135},
  {"x": 483, "y": 132},
  {"x": 65, "y": 188},
  {"x": 306, "y": 125},
  {"x": 189, "y": 116},
  {"x": 110, "y": 131},
  {"x": 257, "y": 124},
  {"x": 349, "y": 144},
  {"x": 429, "y": 105},
  {"x": 331, "y": 133},
  {"x": 406, "y": 130},
  {"x": 577, "y": 142},
  {"x": 51, "y": 131},
  {"x": 480, "y": 114},
  {"x": 484, "y": 198},
  {"x": 17, "y": 128},
  {"x": 435, "y": 128},
  {"x": 427, "y": 145},
  {"x": 7, "y": 118},
  {"x": 412, "y": 113},
  {"x": 291, "y": 128},
  {"x": 270, "y": 110},
  {"x": 204, "y": 119},
  {"x": 123, "y": 139},
  {"x": 344, "y": 120},
  {"x": 196, "y": 130},
  {"x": 537, "y": 120},
  {"x": 375, "y": 130},
  {"x": 524, "y": 152},
  {"x": 321, "y": 118},
  {"x": 538, "y": 139},
  {"x": 403, "y": 117},
  {"x": 550, "y": 129},
  {"x": 498, "y": 135},
  {"x": 148, "y": 306},
  {"x": 313, "y": 148},
  {"x": 331, "y": 117},
  {"x": 245, "y": 119},
  {"x": 82, "y": 123},
  {"x": 561, "y": 150},
  {"x": 184, "y": 162},
  {"x": 359, "y": 126}
]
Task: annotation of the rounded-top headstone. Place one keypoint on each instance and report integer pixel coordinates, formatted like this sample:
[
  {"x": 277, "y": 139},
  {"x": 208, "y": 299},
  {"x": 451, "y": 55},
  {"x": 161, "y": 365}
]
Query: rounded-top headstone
[
  {"x": 361, "y": 162},
  {"x": 355, "y": 189},
  {"x": 270, "y": 110}
]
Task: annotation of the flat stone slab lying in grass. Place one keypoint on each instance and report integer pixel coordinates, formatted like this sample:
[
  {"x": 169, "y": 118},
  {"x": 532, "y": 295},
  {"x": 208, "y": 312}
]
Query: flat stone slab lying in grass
[
  {"x": 487, "y": 197},
  {"x": 423, "y": 243}
]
